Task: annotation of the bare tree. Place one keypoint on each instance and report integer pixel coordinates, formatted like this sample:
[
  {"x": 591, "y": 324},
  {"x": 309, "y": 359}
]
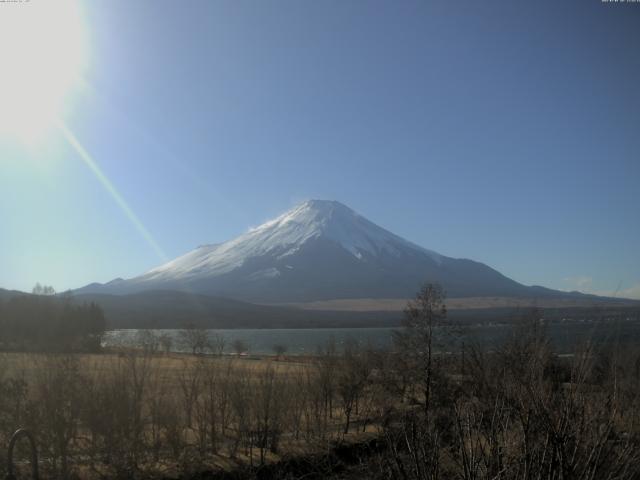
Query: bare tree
[
  {"x": 416, "y": 340},
  {"x": 43, "y": 289},
  {"x": 352, "y": 375},
  {"x": 194, "y": 338},
  {"x": 326, "y": 364},
  {"x": 58, "y": 405},
  {"x": 190, "y": 380},
  {"x": 148, "y": 340},
  {"x": 239, "y": 346},
  {"x": 217, "y": 343},
  {"x": 279, "y": 350},
  {"x": 268, "y": 409},
  {"x": 166, "y": 342}
]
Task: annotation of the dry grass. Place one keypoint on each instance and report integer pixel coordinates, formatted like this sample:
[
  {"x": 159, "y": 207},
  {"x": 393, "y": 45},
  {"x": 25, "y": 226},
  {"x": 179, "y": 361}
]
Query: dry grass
[
  {"x": 160, "y": 410},
  {"x": 398, "y": 304}
]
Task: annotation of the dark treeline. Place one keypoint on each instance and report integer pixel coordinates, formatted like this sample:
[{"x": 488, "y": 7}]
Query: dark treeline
[{"x": 50, "y": 323}]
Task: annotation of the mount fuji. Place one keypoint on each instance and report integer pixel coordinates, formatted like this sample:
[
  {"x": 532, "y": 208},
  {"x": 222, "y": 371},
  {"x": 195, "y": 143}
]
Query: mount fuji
[{"x": 320, "y": 250}]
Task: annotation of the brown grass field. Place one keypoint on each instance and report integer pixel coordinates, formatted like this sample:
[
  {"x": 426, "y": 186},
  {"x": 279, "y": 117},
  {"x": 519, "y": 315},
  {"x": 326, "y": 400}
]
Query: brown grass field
[
  {"x": 168, "y": 409},
  {"x": 517, "y": 412},
  {"x": 399, "y": 304}
]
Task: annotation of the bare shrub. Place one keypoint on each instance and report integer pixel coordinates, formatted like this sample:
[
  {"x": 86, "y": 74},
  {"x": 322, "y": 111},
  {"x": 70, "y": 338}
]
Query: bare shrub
[
  {"x": 55, "y": 409},
  {"x": 166, "y": 342},
  {"x": 239, "y": 346},
  {"x": 194, "y": 339},
  {"x": 352, "y": 377}
]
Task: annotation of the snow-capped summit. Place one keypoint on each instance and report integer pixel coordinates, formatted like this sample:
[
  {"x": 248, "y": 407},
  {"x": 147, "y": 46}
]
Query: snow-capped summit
[
  {"x": 337, "y": 222},
  {"x": 318, "y": 250},
  {"x": 284, "y": 236}
]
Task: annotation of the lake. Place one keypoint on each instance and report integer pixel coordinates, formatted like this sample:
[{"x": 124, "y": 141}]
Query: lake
[{"x": 565, "y": 337}]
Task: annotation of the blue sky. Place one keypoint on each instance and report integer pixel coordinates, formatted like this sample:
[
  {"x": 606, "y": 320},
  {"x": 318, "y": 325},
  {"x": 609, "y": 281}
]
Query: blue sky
[{"x": 506, "y": 132}]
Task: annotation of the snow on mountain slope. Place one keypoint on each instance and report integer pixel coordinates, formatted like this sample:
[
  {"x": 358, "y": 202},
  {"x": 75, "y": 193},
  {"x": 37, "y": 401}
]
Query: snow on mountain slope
[
  {"x": 319, "y": 250},
  {"x": 284, "y": 236}
]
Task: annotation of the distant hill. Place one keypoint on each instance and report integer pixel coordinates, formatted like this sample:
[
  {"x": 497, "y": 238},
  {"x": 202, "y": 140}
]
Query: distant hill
[
  {"x": 6, "y": 294},
  {"x": 173, "y": 309}
]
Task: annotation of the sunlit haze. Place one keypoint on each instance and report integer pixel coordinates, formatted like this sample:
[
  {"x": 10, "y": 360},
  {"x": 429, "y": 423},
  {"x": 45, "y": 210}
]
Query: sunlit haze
[
  {"x": 505, "y": 132},
  {"x": 43, "y": 51}
]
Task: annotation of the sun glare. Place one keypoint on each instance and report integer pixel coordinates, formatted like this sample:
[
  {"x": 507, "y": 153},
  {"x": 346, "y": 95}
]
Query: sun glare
[{"x": 42, "y": 55}]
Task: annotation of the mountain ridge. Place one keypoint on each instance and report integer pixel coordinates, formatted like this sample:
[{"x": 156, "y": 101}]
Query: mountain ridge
[{"x": 320, "y": 250}]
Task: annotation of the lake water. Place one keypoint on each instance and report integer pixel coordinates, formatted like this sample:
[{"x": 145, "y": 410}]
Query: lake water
[
  {"x": 307, "y": 341},
  {"x": 262, "y": 341}
]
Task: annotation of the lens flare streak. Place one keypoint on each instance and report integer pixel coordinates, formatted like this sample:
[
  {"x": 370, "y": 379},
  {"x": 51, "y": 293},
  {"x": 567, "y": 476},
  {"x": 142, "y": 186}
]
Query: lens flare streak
[{"x": 106, "y": 183}]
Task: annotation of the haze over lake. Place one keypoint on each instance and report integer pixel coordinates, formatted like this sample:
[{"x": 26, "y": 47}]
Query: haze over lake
[{"x": 565, "y": 337}]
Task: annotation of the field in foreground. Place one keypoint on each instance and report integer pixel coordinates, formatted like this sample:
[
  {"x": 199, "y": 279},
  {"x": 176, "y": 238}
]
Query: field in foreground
[
  {"x": 116, "y": 414},
  {"x": 516, "y": 412}
]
